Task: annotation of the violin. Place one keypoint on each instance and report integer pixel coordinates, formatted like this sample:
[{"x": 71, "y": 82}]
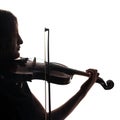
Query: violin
[{"x": 27, "y": 70}]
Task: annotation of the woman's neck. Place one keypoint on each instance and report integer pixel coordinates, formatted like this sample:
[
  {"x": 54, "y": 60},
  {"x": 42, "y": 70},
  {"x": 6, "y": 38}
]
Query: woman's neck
[{"x": 7, "y": 65}]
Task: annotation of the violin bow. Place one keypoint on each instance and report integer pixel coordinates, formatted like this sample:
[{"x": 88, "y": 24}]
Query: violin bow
[{"x": 47, "y": 71}]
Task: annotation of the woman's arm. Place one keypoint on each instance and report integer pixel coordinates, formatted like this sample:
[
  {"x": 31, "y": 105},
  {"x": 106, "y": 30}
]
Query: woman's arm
[{"x": 62, "y": 112}]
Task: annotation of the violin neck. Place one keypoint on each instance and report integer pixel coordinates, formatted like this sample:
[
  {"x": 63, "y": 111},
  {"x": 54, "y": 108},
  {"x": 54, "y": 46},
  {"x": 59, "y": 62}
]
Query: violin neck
[
  {"x": 69, "y": 71},
  {"x": 77, "y": 72}
]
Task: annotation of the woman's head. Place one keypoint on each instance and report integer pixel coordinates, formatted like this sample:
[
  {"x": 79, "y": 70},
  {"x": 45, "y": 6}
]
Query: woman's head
[{"x": 9, "y": 37}]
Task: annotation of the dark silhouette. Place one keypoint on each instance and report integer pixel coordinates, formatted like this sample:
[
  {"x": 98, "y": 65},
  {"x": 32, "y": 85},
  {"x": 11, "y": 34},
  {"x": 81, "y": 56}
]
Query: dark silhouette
[{"x": 16, "y": 100}]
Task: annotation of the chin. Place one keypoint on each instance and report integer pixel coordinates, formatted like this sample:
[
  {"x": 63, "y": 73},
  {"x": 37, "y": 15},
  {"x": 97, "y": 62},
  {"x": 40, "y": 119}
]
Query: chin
[
  {"x": 15, "y": 56},
  {"x": 18, "y": 55}
]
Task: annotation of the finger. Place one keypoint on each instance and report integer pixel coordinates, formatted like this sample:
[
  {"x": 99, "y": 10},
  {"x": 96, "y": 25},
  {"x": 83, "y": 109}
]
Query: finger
[{"x": 91, "y": 71}]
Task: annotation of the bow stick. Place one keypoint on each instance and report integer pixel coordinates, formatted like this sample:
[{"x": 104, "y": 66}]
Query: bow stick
[{"x": 47, "y": 70}]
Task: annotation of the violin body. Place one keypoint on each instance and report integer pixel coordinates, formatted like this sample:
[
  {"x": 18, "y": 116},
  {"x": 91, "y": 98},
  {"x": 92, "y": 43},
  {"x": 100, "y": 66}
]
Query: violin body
[{"x": 30, "y": 70}]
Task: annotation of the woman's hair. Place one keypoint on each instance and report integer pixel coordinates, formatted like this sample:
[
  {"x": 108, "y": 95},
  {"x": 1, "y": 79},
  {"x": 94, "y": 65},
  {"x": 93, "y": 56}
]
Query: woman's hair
[
  {"x": 7, "y": 23},
  {"x": 7, "y": 29}
]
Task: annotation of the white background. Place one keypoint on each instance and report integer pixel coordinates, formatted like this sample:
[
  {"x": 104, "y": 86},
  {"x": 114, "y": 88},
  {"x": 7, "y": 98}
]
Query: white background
[{"x": 83, "y": 34}]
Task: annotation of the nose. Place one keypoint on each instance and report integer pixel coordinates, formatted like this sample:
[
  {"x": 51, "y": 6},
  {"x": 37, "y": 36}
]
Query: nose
[{"x": 20, "y": 41}]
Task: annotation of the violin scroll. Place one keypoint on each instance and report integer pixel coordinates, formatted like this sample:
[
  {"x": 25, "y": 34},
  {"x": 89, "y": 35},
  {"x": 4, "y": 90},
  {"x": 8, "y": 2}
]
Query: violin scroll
[{"x": 109, "y": 84}]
